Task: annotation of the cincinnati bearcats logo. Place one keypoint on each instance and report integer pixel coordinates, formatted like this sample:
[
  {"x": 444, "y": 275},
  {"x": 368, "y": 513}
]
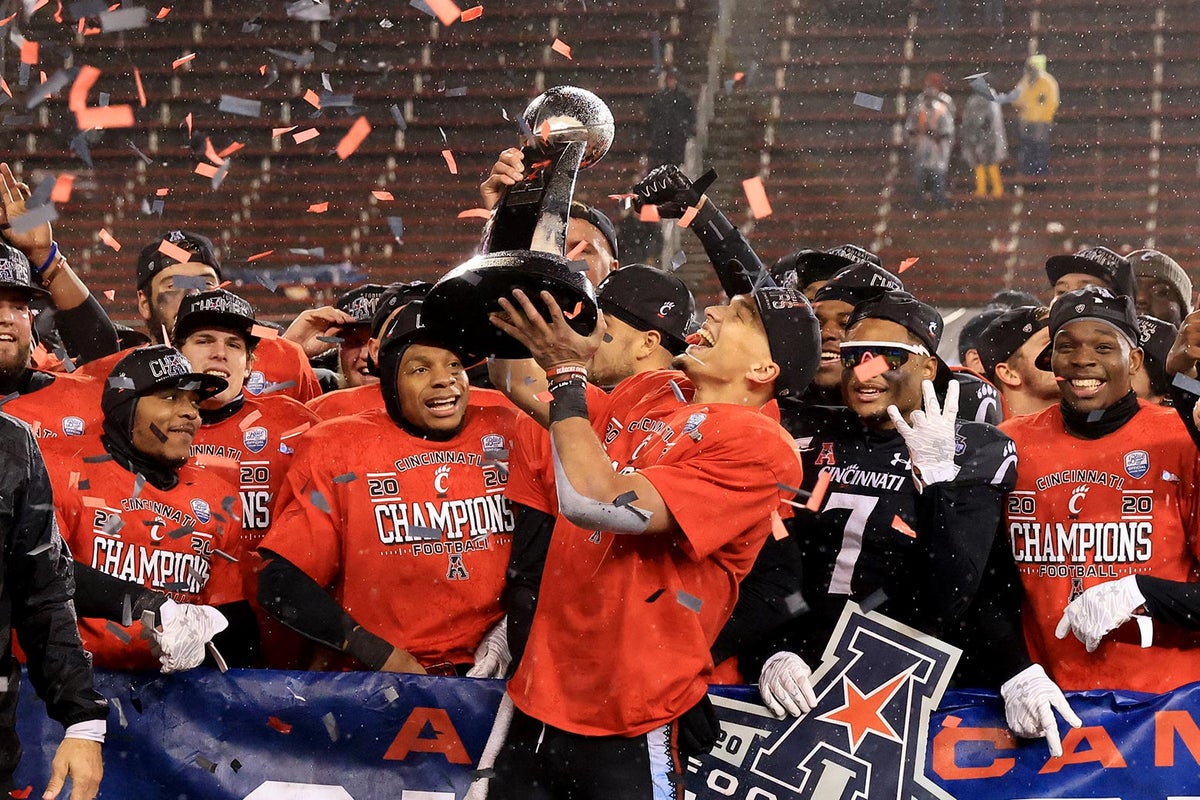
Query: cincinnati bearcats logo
[
  {"x": 866, "y": 738},
  {"x": 665, "y": 308},
  {"x": 441, "y": 480},
  {"x": 826, "y": 456},
  {"x": 455, "y": 569},
  {"x": 1077, "y": 498}
]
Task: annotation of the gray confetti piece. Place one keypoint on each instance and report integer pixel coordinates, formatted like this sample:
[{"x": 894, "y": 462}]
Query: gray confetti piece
[
  {"x": 235, "y": 765},
  {"x": 113, "y": 525},
  {"x": 162, "y": 437},
  {"x": 252, "y": 25},
  {"x": 868, "y": 101},
  {"x": 391, "y": 694},
  {"x": 1096, "y": 415},
  {"x": 204, "y": 763},
  {"x": 33, "y": 218},
  {"x": 116, "y": 630},
  {"x": 308, "y": 11},
  {"x": 458, "y": 91},
  {"x": 325, "y": 82},
  {"x": 428, "y": 534},
  {"x": 579, "y": 265},
  {"x": 115, "y": 702},
  {"x": 873, "y": 601},
  {"x": 121, "y": 381},
  {"x": 396, "y": 226},
  {"x": 677, "y": 392},
  {"x": 330, "y": 339},
  {"x": 100, "y": 459},
  {"x": 327, "y": 46},
  {"x": 657, "y": 594},
  {"x": 331, "y": 726},
  {"x": 319, "y": 502},
  {"x": 625, "y": 498},
  {"x": 240, "y": 106},
  {"x": 266, "y": 281},
  {"x": 222, "y": 172},
  {"x": 271, "y": 388},
  {"x": 608, "y": 338},
  {"x": 53, "y": 84},
  {"x": 126, "y": 611},
  {"x": 225, "y": 556},
  {"x": 688, "y": 601},
  {"x": 180, "y": 532},
  {"x": 123, "y": 19},
  {"x": 398, "y": 116},
  {"x": 678, "y": 260},
  {"x": 1189, "y": 385},
  {"x": 79, "y": 146},
  {"x": 147, "y": 160},
  {"x": 41, "y": 548},
  {"x": 795, "y": 604},
  {"x": 345, "y": 477},
  {"x": 300, "y": 60}
]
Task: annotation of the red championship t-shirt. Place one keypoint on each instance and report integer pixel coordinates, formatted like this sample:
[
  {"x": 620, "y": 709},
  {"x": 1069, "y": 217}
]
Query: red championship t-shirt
[
  {"x": 184, "y": 541},
  {"x": 411, "y": 536},
  {"x": 1089, "y": 511},
  {"x": 344, "y": 402},
  {"x": 70, "y": 406},
  {"x": 620, "y": 641}
]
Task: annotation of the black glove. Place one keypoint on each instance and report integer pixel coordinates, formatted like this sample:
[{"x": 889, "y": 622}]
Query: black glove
[
  {"x": 669, "y": 189},
  {"x": 698, "y": 729}
]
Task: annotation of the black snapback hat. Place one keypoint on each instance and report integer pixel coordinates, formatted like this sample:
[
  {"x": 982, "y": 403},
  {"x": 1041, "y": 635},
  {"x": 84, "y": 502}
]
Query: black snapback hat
[
  {"x": 650, "y": 299},
  {"x": 1155, "y": 337},
  {"x": 17, "y": 273},
  {"x": 920, "y": 319},
  {"x": 598, "y": 218},
  {"x": 215, "y": 308},
  {"x": 1007, "y": 333},
  {"x": 1091, "y": 302},
  {"x": 793, "y": 335},
  {"x": 393, "y": 297},
  {"x": 152, "y": 260},
  {"x": 361, "y": 302},
  {"x": 857, "y": 283},
  {"x": 797, "y": 270},
  {"x": 1112, "y": 268},
  {"x": 148, "y": 369}
]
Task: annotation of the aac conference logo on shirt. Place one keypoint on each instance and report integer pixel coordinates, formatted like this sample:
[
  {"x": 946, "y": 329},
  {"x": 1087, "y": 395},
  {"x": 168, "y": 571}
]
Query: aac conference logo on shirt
[{"x": 255, "y": 439}]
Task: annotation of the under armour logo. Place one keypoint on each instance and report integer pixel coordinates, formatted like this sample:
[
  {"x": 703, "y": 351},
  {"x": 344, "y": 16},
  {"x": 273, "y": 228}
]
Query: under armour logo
[{"x": 898, "y": 460}]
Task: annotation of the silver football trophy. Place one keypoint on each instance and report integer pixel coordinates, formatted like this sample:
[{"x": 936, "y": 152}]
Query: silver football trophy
[{"x": 524, "y": 243}]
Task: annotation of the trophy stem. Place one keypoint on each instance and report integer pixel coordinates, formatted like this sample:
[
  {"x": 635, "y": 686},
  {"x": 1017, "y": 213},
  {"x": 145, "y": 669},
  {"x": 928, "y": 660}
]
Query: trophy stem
[{"x": 550, "y": 235}]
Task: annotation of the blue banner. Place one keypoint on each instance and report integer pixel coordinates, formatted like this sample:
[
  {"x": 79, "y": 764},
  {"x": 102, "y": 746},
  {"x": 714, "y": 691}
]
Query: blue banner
[{"x": 875, "y": 733}]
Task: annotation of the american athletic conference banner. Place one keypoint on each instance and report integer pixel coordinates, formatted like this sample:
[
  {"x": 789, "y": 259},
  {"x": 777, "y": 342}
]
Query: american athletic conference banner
[{"x": 251, "y": 735}]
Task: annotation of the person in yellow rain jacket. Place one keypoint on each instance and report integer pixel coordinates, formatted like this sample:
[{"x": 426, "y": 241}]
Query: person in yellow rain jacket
[{"x": 1035, "y": 98}]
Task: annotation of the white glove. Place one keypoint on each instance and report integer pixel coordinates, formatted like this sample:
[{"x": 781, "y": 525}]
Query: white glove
[
  {"x": 785, "y": 685},
  {"x": 1030, "y": 700},
  {"x": 1100, "y": 609},
  {"x": 930, "y": 437},
  {"x": 184, "y": 631},
  {"x": 492, "y": 656}
]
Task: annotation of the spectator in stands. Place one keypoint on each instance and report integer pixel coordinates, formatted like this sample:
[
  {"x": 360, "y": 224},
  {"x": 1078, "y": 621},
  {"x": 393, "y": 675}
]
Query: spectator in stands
[
  {"x": 36, "y": 590},
  {"x": 984, "y": 146},
  {"x": 930, "y": 129},
  {"x": 1164, "y": 290},
  {"x": 393, "y": 533},
  {"x": 1152, "y": 383},
  {"x": 1008, "y": 348},
  {"x": 1036, "y": 99},
  {"x": 1092, "y": 266},
  {"x": 588, "y": 228},
  {"x": 670, "y": 122},
  {"x": 1083, "y": 465}
]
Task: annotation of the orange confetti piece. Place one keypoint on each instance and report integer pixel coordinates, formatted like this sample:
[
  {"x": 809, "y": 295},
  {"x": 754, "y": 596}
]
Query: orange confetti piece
[
  {"x": 379, "y": 194},
  {"x": 188, "y": 120},
  {"x": 471, "y": 14},
  {"x": 29, "y": 52},
  {"x": 41, "y": 76},
  {"x": 353, "y": 138},
  {"x": 450, "y": 163},
  {"x": 73, "y": 480},
  {"x": 620, "y": 197},
  {"x": 778, "y": 529},
  {"x": 77, "y": 98},
  {"x": 264, "y": 332},
  {"x": 577, "y": 250},
  {"x": 61, "y": 193},
  {"x": 304, "y": 136},
  {"x": 207, "y": 170},
  {"x": 233, "y": 148},
  {"x": 104, "y": 117},
  {"x": 162, "y": 13},
  {"x": 737, "y": 76},
  {"x": 7, "y": 20},
  {"x": 179, "y": 62},
  {"x": 312, "y": 99},
  {"x": 870, "y": 367},
  {"x": 210, "y": 152},
  {"x": 544, "y": 130},
  {"x": 818, "y": 492},
  {"x": 92, "y": 502},
  {"x": 296, "y": 431},
  {"x": 686, "y": 220},
  {"x": 902, "y": 526},
  {"x": 318, "y": 208},
  {"x": 562, "y": 48},
  {"x": 277, "y": 132},
  {"x": 109, "y": 294},
  {"x": 756, "y": 195},
  {"x": 906, "y": 263},
  {"x": 279, "y": 725},
  {"x": 137, "y": 79},
  {"x": 573, "y": 313},
  {"x": 446, "y": 10},
  {"x": 257, "y": 256},
  {"x": 161, "y": 192},
  {"x": 250, "y": 419},
  {"x": 4, "y": 87},
  {"x": 262, "y": 70},
  {"x": 543, "y": 397},
  {"x": 174, "y": 251},
  {"x": 108, "y": 239},
  {"x": 478, "y": 213},
  {"x": 649, "y": 213}
]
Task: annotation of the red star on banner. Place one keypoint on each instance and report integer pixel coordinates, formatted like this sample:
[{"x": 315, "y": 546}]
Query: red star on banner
[{"x": 861, "y": 713}]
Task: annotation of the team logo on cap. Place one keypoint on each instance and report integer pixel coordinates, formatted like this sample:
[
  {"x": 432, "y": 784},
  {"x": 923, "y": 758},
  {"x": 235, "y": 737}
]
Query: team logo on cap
[
  {"x": 360, "y": 307},
  {"x": 175, "y": 236},
  {"x": 1146, "y": 329},
  {"x": 255, "y": 439},
  {"x": 1105, "y": 258},
  {"x": 72, "y": 426},
  {"x": 201, "y": 510},
  {"x": 665, "y": 309},
  {"x": 256, "y": 383},
  {"x": 1137, "y": 463}
]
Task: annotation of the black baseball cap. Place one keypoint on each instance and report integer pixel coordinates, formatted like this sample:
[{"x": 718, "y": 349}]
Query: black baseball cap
[
  {"x": 361, "y": 303},
  {"x": 968, "y": 334},
  {"x": 650, "y": 299},
  {"x": 1113, "y": 268},
  {"x": 1007, "y": 333},
  {"x": 215, "y": 308},
  {"x": 920, "y": 319},
  {"x": 1155, "y": 337},
  {"x": 16, "y": 273},
  {"x": 589, "y": 214},
  {"x": 857, "y": 283},
  {"x": 393, "y": 297},
  {"x": 1091, "y": 302},
  {"x": 803, "y": 267},
  {"x": 152, "y": 261},
  {"x": 793, "y": 336},
  {"x": 148, "y": 369}
]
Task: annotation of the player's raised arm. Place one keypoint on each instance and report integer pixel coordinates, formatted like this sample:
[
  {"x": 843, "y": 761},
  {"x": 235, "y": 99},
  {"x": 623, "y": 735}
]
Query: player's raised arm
[{"x": 590, "y": 493}]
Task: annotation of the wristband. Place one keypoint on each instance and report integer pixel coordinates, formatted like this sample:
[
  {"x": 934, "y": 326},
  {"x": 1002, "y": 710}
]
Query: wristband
[
  {"x": 566, "y": 370},
  {"x": 568, "y": 399},
  {"x": 49, "y": 259}
]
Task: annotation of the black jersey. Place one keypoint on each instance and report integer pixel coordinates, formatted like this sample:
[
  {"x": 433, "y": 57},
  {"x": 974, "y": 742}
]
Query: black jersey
[
  {"x": 918, "y": 557},
  {"x": 978, "y": 400}
]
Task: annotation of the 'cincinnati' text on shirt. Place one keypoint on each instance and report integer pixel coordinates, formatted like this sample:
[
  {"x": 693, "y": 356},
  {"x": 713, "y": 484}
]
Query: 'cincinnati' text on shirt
[
  {"x": 854, "y": 475},
  {"x": 1096, "y": 476},
  {"x": 438, "y": 457}
]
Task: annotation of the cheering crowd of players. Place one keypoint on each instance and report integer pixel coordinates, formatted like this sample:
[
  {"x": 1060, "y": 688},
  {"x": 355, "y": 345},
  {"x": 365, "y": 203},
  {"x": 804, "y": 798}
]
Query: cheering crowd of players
[{"x": 615, "y": 522}]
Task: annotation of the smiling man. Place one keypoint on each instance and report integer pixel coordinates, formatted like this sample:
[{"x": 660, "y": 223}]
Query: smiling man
[
  {"x": 394, "y": 533},
  {"x": 1103, "y": 519}
]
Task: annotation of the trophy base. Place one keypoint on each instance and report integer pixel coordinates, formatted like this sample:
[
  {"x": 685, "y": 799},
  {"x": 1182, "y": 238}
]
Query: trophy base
[{"x": 457, "y": 307}]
